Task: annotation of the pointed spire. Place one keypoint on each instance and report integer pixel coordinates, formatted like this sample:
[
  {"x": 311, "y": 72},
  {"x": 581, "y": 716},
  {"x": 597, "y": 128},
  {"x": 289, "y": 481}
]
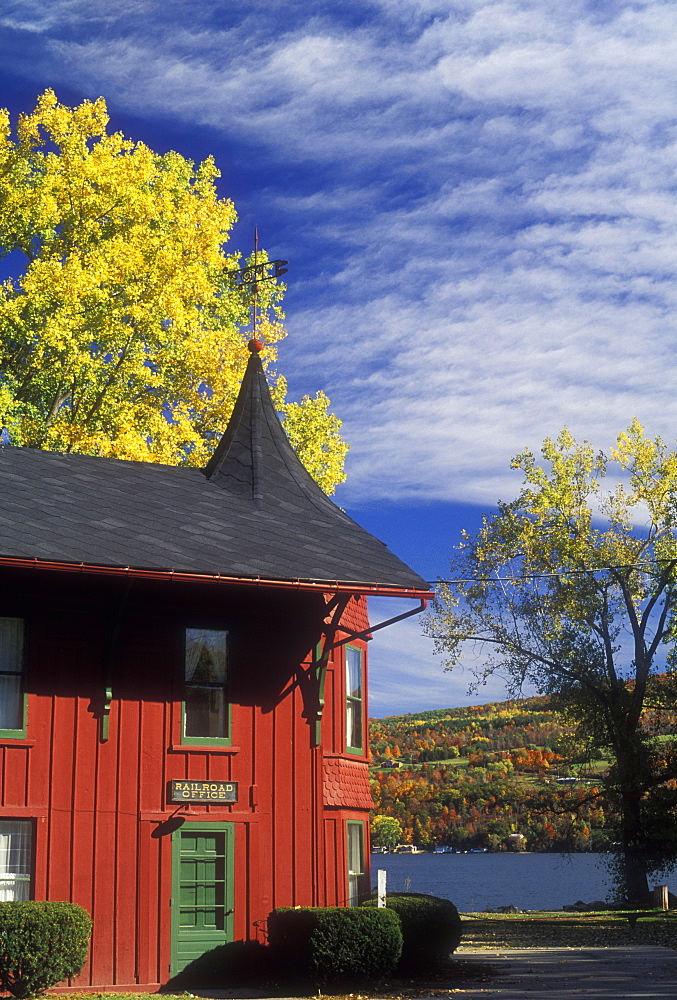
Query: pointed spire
[
  {"x": 277, "y": 522},
  {"x": 254, "y": 458}
]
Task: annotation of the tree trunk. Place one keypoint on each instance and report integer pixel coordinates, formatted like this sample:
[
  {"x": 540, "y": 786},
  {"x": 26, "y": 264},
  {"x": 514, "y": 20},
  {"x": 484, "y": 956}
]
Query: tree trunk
[
  {"x": 633, "y": 871},
  {"x": 633, "y": 879}
]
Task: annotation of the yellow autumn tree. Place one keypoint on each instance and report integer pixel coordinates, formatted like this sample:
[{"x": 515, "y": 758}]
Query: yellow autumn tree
[
  {"x": 572, "y": 587},
  {"x": 121, "y": 324}
]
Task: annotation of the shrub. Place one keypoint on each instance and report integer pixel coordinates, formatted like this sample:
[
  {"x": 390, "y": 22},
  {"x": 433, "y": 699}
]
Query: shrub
[
  {"x": 431, "y": 928},
  {"x": 331, "y": 944},
  {"x": 41, "y": 944}
]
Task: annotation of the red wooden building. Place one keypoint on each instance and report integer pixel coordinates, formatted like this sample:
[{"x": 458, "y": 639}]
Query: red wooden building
[{"x": 183, "y": 675}]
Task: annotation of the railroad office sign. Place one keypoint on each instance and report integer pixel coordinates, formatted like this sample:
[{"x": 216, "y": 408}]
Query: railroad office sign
[{"x": 202, "y": 791}]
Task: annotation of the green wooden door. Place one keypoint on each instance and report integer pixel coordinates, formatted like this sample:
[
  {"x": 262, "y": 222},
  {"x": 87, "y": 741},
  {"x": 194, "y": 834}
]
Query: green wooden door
[{"x": 202, "y": 893}]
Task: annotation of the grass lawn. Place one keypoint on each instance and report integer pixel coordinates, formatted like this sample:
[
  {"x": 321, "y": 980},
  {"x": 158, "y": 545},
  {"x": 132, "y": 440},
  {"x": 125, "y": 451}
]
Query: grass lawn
[{"x": 564, "y": 930}]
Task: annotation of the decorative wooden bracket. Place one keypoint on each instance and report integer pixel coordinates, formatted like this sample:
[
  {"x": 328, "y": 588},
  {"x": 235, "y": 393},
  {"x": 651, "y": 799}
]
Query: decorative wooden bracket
[
  {"x": 319, "y": 667},
  {"x": 318, "y": 670}
]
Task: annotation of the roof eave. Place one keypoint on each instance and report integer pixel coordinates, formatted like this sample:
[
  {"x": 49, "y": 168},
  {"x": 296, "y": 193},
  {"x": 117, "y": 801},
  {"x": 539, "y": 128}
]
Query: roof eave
[{"x": 322, "y": 586}]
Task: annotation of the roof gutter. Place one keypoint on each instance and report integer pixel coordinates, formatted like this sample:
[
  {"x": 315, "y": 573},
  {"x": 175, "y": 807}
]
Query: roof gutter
[{"x": 321, "y": 586}]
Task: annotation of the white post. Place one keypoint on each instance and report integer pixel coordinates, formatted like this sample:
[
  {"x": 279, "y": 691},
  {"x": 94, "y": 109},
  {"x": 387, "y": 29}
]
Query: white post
[{"x": 381, "y": 887}]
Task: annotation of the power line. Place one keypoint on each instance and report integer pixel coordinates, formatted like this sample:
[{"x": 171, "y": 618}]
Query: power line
[{"x": 550, "y": 576}]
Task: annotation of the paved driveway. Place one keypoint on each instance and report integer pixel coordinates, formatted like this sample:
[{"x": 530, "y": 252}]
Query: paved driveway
[{"x": 645, "y": 973}]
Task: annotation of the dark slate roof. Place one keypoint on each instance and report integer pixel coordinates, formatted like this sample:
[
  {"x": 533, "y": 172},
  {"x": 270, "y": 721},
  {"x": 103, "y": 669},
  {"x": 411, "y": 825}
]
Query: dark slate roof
[{"x": 254, "y": 512}]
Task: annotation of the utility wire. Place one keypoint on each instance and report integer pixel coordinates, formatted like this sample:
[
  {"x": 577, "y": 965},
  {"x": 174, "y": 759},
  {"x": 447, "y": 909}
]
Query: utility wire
[{"x": 549, "y": 576}]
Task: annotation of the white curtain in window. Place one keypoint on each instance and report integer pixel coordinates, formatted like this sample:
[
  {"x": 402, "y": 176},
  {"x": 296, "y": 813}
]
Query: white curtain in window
[
  {"x": 355, "y": 861},
  {"x": 15, "y": 859},
  {"x": 353, "y": 672},
  {"x": 353, "y": 697}
]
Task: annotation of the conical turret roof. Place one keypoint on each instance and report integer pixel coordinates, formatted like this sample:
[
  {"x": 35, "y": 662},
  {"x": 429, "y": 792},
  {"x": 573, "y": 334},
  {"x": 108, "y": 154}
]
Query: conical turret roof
[
  {"x": 254, "y": 513},
  {"x": 256, "y": 465},
  {"x": 254, "y": 459}
]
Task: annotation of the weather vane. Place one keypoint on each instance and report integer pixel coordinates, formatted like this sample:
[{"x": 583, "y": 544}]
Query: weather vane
[{"x": 255, "y": 273}]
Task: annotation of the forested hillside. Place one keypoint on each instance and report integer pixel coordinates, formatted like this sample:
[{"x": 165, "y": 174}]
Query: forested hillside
[{"x": 471, "y": 777}]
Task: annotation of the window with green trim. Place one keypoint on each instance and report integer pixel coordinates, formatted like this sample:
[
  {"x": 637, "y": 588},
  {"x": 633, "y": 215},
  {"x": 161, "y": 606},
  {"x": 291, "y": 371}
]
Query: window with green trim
[
  {"x": 12, "y": 687},
  {"x": 16, "y": 859},
  {"x": 357, "y": 879},
  {"x": 206, "y": 712},
  {"x": 354, "y": 703}
]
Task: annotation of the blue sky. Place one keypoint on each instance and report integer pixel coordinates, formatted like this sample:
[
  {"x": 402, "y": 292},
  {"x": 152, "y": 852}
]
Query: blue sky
[{"x": 477, "y": 201}]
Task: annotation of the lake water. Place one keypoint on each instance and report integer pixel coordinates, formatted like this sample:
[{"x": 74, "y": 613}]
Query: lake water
[{"x": 475, "y": 882}]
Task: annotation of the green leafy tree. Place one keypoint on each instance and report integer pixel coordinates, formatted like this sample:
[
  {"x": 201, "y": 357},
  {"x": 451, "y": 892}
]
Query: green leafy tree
[
  {"x": 120, "y": 320},
  {"x": 571, "y": 588},
  {"x": 385, "y": 832}
]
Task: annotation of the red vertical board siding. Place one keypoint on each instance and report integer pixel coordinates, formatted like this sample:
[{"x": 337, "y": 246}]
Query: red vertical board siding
[
  {"x": 283, "y": 803},
  {"x": 241, "y": 848},
  {"x": 335, "y": 706},
  {"x": 148, "y": 906},
  {"x": 164, "y": 915},
  {"x": 330, "y": 845},
  {"x": 154, "y": 724},
  {"x": 103, "y": 965},
  {"x": 41, "y": 856},
  {"x": 331, "y": 727},
  {"x": 40, "y": 734},
  {"x": 102, "y": 837},
  {"x": 83, "y": 769},
  {"x": 151, "y": 775},
  {"x": 15, "y": 776},
  {"x": 257, "y": 911},
  {"x": 126, "y": 841},
  {"x": 264, "y": 776},
  {"x": 61, "y": 816},
  {"x": 299, "y": 827}
]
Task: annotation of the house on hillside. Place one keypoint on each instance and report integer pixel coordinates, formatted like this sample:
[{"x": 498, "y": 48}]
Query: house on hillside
[{"x": 183, "y": 674}]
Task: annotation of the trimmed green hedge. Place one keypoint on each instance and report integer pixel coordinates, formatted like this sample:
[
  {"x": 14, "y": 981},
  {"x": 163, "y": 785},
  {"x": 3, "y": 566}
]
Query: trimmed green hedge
[
  {"x": 431, "y": 928},
  {"x": 331, "y": 944},
  {"x": 41, "y": 944}
]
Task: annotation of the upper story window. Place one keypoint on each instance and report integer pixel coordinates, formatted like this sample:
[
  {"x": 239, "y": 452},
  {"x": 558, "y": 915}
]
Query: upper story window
[
  {"x": 354, "y": 703},
  {"x": 12, "y": 694},
  {"x": 206, "y": 709}
]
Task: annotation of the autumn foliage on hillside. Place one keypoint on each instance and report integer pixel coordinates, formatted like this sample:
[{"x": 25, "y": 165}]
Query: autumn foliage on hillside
[{"x": 470, "y": 777}]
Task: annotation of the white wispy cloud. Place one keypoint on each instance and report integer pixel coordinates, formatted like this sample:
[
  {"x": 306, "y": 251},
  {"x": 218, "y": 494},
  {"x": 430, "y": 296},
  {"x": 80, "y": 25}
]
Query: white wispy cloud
[
  {"x": 494, "y": 197},
  {"x": 477, "y": 198},
  {"x": 406, "y": 677}
]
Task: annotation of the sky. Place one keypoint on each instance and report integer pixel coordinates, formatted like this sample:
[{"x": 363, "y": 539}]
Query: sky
[{"x": 477, "y": 202}]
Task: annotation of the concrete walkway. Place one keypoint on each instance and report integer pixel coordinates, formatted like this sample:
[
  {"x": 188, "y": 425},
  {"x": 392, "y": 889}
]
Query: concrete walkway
[{"x": 645, "y": 973}]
